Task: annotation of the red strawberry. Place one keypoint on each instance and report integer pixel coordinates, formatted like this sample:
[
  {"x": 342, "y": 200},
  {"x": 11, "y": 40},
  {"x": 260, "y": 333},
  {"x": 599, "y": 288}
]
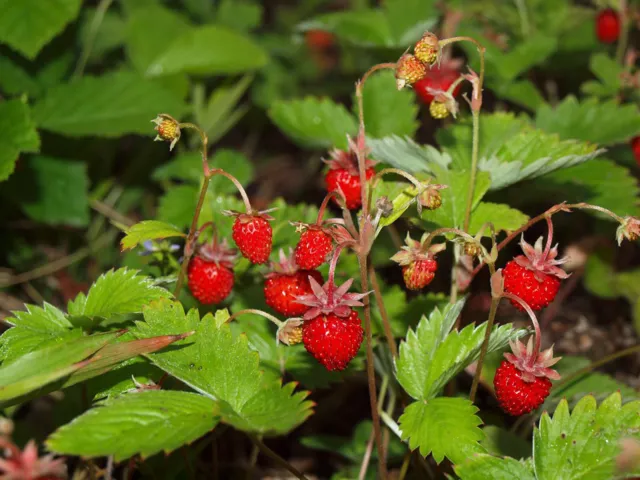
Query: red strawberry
[
  {"x": 438, "y": 78},
  {"x": 534, "y": 276},
  {"x": 314, "y": 246},
  {"x": 332, "y": 340},
  {"x": 608, "y": 26},
  {"x": 522, "y": 380},
  {"x": 285, "y": 284},
  {"x": 635, "y": 146},
  {"x": 332, "y": 332},
  {"x": 517, "y": 397},
  {"x": 418, "y": 264},
  {"x": 319, "y": 39},
  {"x": 349, "y": 182},
  {"x": 253, "y": 236},
  {"x": 210, "y": 275}
]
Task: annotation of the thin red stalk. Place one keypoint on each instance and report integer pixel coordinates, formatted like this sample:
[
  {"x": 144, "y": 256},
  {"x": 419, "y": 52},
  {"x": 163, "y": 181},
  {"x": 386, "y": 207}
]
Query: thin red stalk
[
  {"x": 243, "y": 194},
  {"x": 534, "y": 321},
  {"x": 547, "y": 247},
  {"x": 324, "y": 205},
  {"x": 254, "y": 311}
]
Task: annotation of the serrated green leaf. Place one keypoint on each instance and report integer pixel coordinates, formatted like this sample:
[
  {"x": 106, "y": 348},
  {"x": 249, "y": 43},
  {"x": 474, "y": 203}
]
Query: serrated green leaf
[
  {"x": 205, "y": 51},
  {"x": 28, "y": 25},
  {"x": 109, "y": 105},
  {"x": 318, "y": 123},
  {"x": 488, "y": 467},
  {"x": 148, "y": 230},
  {"x": 454, "y": 198},
  {"x": 525, "y": 55},
  {"x": 433, "y": 354},
  {"x": 142, "y": 423},
  {"x": 407, "y": 155},
  {"x": 388, "y": 111},
  {"x": 584, "y": 443},
  {"x": 146, "y": 35},
  {"x": 502, "y": 216},
  {"x": 52, "y": 182},
  {"x": 423, "y": 424},
  {"x": 522, "y": 92},
  {"x": 364, "y": 27},
  {"x": 116, "y": 292},
  {"x": 41, "y": 367},
  {"x": 19, "y": 135},
  {"x": 222, "y": 367},
  {"x": 605, "y": 123}
]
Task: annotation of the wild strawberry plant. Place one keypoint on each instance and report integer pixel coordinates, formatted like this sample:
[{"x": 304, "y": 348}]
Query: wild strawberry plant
[{"x": 228, "y": 316}]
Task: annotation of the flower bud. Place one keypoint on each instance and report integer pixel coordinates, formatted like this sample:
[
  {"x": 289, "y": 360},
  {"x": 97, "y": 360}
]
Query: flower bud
[
  {"x": 430, "y": 198},
  {"x": 472, "y": 249},
  {"x": 290, "y": 333},
  {"x": 426, "y": 50},
  {"x": 168, "y": 129}
]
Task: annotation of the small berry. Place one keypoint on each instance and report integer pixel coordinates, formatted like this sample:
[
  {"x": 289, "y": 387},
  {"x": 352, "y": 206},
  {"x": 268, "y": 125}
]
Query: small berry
[
  {"x": 537, "y": 292},
  {"x": 438, "y": 78},
  {"x": 516, "y": 396},
  {"x": 319, "y": 39},
  {"x": 281, "y": 291},
  {"x": 168, "y": 129},
  {"x": 608, "y": 26},
  {"x": 409, "y": 70},
  {"x": 333, "y": 340},
  {"x": 313, "y": 248},
  {"x": 472, "y": 249},
  {"x": 344, "y": 175},
  {"x": 438, "y": 110},
  {"x": 253, "y": 236},
  {"x": 419, "y": 265},
  {"x": 635, "y": 147},
  {"x": 426, "y": 50},
  {"x": 209, "y": 282}
]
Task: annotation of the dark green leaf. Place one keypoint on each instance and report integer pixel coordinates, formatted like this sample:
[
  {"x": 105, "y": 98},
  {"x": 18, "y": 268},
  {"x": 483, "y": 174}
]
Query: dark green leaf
[
  {"x": 18, "y": 135},
  {"x": 148, "y": 230}
]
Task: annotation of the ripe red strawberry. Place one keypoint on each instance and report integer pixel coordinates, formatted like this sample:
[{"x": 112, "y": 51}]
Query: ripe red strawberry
[
  {"x": 314, "y": 246},
  {"x": 635, "y": 146},
  {"x": 437, "y": 78},
  {"x": 253, "y": 236},
  {"x": 418, "y": 264},
  {"x": 332, "y": 340},
  {"x": 522, "y": 380},
  {"x": 534, "y": 276},
  {"x": 608, "y": 26},
  {"x": 332, "y": 332},
  {"x": 343, "y": 175},
  {"x": 285, "y": 284},
  {"x": 210, "y": 275},
  {"x": 319, "y": 39}
]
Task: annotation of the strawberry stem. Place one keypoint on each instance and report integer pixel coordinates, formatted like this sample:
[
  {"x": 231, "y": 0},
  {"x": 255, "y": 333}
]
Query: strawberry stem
[
  {"x": 204, "y": 140},
  {"x": 254, "y": 311},
  {"x": 325, "y": 203},
  {"x": 238, "y": 185},
  {"x": 547, "y": 247},
  {"x": 386, "y": 171},
  {"x": 331, "y": 284},
  {"x": 536, "y": 349}
]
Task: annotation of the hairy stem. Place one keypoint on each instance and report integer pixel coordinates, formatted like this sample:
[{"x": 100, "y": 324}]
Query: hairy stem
[
  {"x": 254, "y": 311},
  {"x": 474, "y": 169},
  {"x": 386, "y": 324},
  {"x": 386, "y": 171},
  {"x": 323, "y": 206},
  {"x": 276, "y": 458},
  {"x": 624, "y": 33}
]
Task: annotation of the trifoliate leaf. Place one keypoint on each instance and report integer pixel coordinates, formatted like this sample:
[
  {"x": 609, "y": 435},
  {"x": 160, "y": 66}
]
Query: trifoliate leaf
[
  {"x": 205, "y": 51},
  {"x": 488, "y": 467},
  {"x": 117, "y": 292},
  {"x": 387, "y": 111},
  {"x": 317, "y": 123},
  {"x": 444, "y": 427},
  {"x": 148, "y": 230},
  {"x": 222, "y": 367},
  {"x": 407, "y": 155},
  {"x": 605, "y": 123},
  {"x": 109, "y": 105},
  {"x": 433, "y": 354},
  {"x": 28, "y": 25},
  {"x": 142, "y": 423},
  {"x": 584, "y": 443},
  {"x": 502, "y": 216},
  {"x": 19, "y": 134}
]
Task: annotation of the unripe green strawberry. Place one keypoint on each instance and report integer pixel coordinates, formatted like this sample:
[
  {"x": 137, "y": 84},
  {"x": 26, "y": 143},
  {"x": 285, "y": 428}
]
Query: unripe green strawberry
[
  {"x": 438, "y": 110},
  {"x": 426, "y": 50}
]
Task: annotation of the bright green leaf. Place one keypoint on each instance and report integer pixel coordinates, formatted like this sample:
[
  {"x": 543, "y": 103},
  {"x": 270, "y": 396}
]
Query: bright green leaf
[
  {"x": 312, "y": 122},
  {"x": 488, "y": 467},
  {"x": 444, "y": 427},
  {"x": 502, "y": 216},
  {"x": 205, "y": 51},
  {"x": 116, "y": 292},
  {"x": 365, "y": 27},
  {"x": 407, "y": 155},
  {"x": 142, "y": 423},
  {"x": 609, "y": 72},
  {"x": 148, "y": 230},
  {"x": 584, "y": 443},
  {"x": 18, "y": 134},
  {"x": 242, "y": 15},
  {"x": 605, "y": 123},
  {"x": 28, "y": 25},
  {"x": 409, "y": 19},
  {"x": 109, "y": 105}
]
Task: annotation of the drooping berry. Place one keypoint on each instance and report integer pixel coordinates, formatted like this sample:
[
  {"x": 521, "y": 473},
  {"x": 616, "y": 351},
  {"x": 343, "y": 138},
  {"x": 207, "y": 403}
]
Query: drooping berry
[
  {"x": 333, "y": 340},
  {"x": 409, "y": 70},
  {"x": 312, "y": 249},
  {"x": 437, "y": 78},
  {"x": 535, "y": 276},
  {"x": 286, "y": 283},
  {"x": 517, "y": 397},
  {"x": 253, "y": 236},
  {"x": 210, "y": 277},
  {"x": 608, "y": 26},
  {"x": 438, "y": 110},
  {"x": 418, "y": 263},
  {"x": 168, "y": 129},
  {"x": 344, "y": 175},
  {"x": 426, "y": 50},
  {"x": 635, "y": 147}
]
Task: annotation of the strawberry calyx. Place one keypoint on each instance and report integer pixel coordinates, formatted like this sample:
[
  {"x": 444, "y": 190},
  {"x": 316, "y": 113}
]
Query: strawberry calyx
[
  {"x": 329, "y": 299},
  {"x": 629, "y": 228},
  {"x": 531, "y": 361},
  {"x": 250, "y": 215},
  {"x": 218, "y": 252},
  {"x": 348, "y": 160},
  {"x": 541, "y": 261},
  {"x": 286, "y": 265},
  {"x": 415, "y": 250}
]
